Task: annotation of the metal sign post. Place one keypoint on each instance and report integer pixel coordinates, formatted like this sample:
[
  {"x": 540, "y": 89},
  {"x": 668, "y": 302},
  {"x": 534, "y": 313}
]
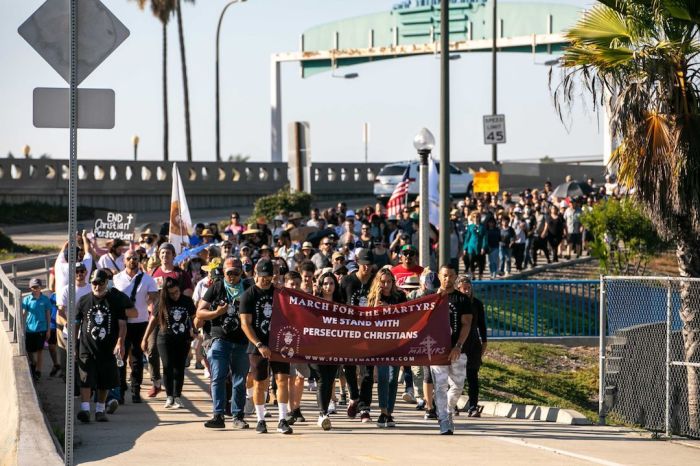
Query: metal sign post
[
  {"x": 72, "y": 232},
  {"x": 49, "y": 30}
]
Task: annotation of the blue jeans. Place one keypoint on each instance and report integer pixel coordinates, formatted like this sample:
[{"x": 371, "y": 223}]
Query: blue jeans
[
  {"x": 504, "y": 255},
  {"x": 387, "y": 384},
  {"x": 224, "y": 355},
  {"x": 493, "y": 262}
]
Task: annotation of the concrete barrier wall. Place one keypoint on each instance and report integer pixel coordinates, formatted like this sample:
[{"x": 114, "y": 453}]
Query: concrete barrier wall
[
  {"x": 25, "y": 438},
  {"x": 146, "y": 186}
]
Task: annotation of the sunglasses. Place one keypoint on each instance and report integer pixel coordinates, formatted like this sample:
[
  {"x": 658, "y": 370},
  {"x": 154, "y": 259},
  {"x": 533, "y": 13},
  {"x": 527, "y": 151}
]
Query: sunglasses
[
  {"x": 234, "y": 218},
  {"x": 132, "y": 258},
  {"x": 408, "y": 253},
  {"x": 339, "y": 259},
  {"x": 327, "y": 244},
  {"x": 234, "y": 273},
  {"x": 99, "y": 283}
]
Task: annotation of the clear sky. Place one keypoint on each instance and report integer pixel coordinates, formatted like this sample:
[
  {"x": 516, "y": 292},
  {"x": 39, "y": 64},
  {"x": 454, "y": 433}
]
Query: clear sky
[{"x": 396, "y": 97}]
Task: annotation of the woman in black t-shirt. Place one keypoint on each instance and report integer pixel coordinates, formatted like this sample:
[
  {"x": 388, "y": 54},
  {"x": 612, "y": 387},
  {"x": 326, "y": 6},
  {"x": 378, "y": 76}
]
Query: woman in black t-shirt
[
  {"x": 384, "y": 291},
  {"x": 173, "y": 316},
  {"x": 328, "y": 289}
]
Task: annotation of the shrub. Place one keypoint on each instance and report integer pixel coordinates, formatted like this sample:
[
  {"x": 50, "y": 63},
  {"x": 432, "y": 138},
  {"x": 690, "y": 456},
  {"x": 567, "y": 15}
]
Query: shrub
[
  {"x": 625, "y": 238},
  {"x": 284, "y": 199}
]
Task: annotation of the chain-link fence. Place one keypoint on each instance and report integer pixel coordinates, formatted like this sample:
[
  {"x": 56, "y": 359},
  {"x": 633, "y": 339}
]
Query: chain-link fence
[{"x": 650, "y": 353}]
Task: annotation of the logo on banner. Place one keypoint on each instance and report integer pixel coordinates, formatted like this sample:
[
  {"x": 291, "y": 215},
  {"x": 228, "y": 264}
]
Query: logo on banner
[
  {"x": 289, "y": 344},
  {"x": 427, "y": 347}
]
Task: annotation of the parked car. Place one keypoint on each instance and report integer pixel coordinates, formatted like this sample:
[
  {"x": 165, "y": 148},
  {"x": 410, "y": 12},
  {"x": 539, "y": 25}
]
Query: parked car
[{"x": 391, "y": 174}]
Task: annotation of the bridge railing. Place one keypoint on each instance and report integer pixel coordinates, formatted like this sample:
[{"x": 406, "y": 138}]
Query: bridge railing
[
  {"x": 11, "y": 307},
  {"x": 540, "y": 308}
]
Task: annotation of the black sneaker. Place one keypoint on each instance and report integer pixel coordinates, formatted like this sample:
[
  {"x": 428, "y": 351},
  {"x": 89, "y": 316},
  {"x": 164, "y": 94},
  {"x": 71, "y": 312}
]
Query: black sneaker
[
  {"x": 261, "y": 428},
  {"x": 84, "y": 416},
  {"x": 136, "y": 397},
  {"x": 283, "y": 427},
  {"x": 381, "y": 421},
  {"x": 300, "y": 417},
  {"x": 291, "y": 418},
  {"x": 430, "y": 414},
  {"x": 239, "y": 423},
  {"x": 216, "y": 422},
  {"x": 390, "y": 421},
  {"x": 100, "y": 416},
  {"x": 420, "y": 405}
]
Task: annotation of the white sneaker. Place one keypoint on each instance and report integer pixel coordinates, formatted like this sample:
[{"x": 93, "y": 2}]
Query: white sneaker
[
  {"x": 408, "y": 397},
  {"x": 169, "y": 402},
  {"x": 331, "y": 408},
  {"x": 312, "y": 386},
  {"x": 324, "y": 422},
  {"x": 249, "y": 406},
  {"x": 178, "y": 404},
  {"x": 207, "y": 375}
]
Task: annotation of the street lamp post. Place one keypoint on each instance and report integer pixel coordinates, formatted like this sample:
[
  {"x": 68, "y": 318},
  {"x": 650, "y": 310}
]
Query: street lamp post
[
  {"x": 444, "y": 246},
  {"x": 424, "y": 142},
  {"x": 26, "y": 151},
  {"x": 218, "y": 122},
  {"x": 135, "y": 141}
]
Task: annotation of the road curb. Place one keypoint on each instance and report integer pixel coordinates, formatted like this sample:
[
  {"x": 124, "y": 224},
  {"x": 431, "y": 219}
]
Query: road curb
[
  {"x": 544, "y": 267},
  {"x": 531, "y": 412}
]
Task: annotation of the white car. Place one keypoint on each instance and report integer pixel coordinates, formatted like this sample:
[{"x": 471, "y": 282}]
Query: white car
[{"x": 391, "y": 174}]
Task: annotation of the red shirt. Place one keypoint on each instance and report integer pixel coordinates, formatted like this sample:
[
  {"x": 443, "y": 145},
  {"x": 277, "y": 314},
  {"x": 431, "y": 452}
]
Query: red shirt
[{"x": 401, "y": 273}]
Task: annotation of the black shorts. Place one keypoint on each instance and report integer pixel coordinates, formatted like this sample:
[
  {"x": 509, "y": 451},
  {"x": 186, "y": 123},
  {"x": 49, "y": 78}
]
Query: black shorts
[
  {"x": 34, "y": 341},
  {"x": 52, "y": 337},
  {"x": 260, "y": 367},
  {"x": 100, "y": 373},
  {"x": 427, "y": 375},
  {"x": 574, "y": 239}
]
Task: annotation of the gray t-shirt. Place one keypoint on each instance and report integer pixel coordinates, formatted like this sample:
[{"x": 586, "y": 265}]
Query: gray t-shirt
[{"x": 573, "y": 220}]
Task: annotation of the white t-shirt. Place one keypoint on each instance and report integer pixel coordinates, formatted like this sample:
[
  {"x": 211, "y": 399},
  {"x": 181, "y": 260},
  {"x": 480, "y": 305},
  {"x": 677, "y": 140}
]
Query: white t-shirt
[
  {"x": 200, "y": 289},
  {"x": 62, "y": 298},
  {"x": 60, "y": 268},
  {"x": 106, "y": 262},
  {"x": 124, "y": 283}
]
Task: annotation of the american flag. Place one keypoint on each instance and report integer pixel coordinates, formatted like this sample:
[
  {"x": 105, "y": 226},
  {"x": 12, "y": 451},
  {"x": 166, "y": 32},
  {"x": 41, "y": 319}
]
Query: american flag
[{"x": 398, "y": 198}]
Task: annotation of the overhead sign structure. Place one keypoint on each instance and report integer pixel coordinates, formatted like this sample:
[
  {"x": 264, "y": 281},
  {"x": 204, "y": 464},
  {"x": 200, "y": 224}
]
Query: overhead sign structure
[
  {"x": 486, "y": 182},
  {"x": 115, "y": 225},
  {"x": 99, "y": 34},
  {"x": 494, "y": 129}
]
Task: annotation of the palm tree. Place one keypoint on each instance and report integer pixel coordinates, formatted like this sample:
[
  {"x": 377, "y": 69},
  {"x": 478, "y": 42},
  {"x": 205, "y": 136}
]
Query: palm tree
[
  {"x": 185, "y": 84},
  {"x": 644, "y": 53},
  {"x": 163, "y": 9}
]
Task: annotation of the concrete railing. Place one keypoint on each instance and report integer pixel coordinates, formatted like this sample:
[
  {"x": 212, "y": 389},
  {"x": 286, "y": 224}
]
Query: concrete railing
[
  {"x": 145, "y": 186},
  {"x": 25, "y": 438}
]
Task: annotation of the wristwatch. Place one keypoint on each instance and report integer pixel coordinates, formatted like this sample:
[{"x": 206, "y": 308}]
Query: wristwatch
[{"x": 259, "y": 344}]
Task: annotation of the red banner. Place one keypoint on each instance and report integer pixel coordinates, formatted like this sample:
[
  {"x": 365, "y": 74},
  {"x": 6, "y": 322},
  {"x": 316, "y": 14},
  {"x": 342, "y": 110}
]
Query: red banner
[{"x": 308, "y": 329}]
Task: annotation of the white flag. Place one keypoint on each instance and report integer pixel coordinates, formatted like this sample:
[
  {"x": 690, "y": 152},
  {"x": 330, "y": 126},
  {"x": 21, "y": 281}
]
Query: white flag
[
  {"x": 180, "y": 220},
  {"x": 433, "y": 193}
]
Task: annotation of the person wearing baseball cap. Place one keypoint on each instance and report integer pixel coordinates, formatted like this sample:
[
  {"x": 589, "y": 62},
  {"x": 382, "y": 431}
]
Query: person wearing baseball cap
[
  {"x": 355, "y": 287},
  {"x": 221, "y": 306},
  {"x": 408, "y": 265},
  {"x": 36, "y": 308},
  {"x": 102, "y": 316},
  {"x": 256, "y": 313}
]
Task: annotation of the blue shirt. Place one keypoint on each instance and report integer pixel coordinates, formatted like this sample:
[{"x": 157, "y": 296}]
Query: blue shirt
[
  {"x": 54, "y": 310},
  {"x": 35, "y": 309}
]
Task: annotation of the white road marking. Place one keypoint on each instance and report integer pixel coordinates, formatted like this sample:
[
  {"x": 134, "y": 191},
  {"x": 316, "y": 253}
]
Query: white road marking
[{"x": 557, "y": 451}]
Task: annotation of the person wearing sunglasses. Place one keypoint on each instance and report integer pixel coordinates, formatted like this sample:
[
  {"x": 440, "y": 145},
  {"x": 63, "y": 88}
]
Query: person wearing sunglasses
[
  {"x": 408, "y": 265},
  {"x": 235, "y": 228},
  {"x": 101, "y": 318},
  {"x": 229, "y": 346},
  {"x": 143, "y": 292}
]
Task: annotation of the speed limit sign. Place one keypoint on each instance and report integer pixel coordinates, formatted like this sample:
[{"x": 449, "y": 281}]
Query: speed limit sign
[{"x": 494, "y": 129}]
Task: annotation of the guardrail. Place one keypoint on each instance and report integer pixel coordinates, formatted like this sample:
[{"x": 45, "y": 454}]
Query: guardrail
[
  {"x": 540, "y": 308},
  {"x": 11, "y": 306}
]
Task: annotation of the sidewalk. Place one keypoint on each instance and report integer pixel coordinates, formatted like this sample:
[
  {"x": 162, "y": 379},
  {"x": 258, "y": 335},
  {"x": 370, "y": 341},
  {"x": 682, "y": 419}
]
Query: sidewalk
[{"x": 148, "y": 433}]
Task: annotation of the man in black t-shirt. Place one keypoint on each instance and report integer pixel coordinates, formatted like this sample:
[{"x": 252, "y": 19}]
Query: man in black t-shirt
[
  {"x": 449, "y": 380},
  {"x": 355, "y": 288},
  {"x": 101, "y": 318},
  {"x": 220, "y": 305},
  {"x": 256, "y": 313}
]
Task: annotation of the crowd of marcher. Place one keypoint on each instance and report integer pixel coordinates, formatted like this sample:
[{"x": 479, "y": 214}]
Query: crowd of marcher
[{"x": 141, "y": 305}]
